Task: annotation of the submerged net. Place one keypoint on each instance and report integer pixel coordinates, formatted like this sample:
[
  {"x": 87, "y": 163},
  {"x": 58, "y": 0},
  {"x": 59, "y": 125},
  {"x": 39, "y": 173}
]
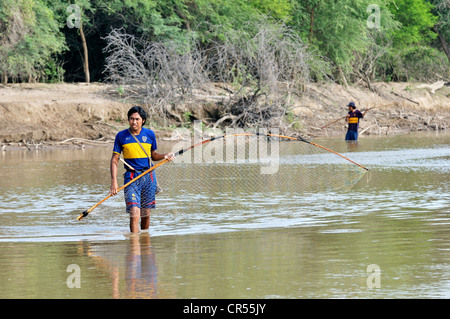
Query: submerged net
[{"x": 247, "y": 172}]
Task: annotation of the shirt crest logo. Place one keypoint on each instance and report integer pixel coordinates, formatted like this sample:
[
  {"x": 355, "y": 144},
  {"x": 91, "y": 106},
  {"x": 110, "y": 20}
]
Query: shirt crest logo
[{"x": 144, "y": 138}]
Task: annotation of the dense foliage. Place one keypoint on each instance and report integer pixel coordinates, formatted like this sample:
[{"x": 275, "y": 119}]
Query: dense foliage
[{"x": 358, "y": 40}]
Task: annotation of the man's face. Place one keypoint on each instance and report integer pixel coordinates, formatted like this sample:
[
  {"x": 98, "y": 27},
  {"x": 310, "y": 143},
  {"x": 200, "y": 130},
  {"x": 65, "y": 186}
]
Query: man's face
[{"x": 135, "y": 121}]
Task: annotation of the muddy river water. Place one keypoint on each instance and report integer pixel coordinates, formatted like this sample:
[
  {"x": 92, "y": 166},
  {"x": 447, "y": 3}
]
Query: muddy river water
[{"x": 389, "y": 237}]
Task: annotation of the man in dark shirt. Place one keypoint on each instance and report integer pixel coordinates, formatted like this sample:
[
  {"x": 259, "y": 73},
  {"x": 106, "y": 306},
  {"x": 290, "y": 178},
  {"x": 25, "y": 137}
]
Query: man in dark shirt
[{"x": 352, "y": 118}]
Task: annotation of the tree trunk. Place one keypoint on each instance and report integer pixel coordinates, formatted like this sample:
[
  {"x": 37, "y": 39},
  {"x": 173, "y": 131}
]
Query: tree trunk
[
  {"x": 443, "y": 42},
  {"x": 311, "y": 21},
  {"x": 342, "y": 76},
  {"x": 86, "y": 59}
]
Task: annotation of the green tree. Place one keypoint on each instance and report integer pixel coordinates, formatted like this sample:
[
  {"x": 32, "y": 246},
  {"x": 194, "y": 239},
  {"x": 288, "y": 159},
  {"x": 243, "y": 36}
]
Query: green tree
[
  {"x": 155, "y": 19},
  {"x": 211, "y": 18},
  {"x": 29, "y": 40},
  {"x": 416, "y": 21},
  {"x": 33, "y": 33},
  {"x": 412, "y": 56},
  {"x": 304, "y": 14},
  {"x": 441, "y": 10},
  {"x": 339, "y": 29},
  {"x": 74, "y": 18},
  {"x": 280, "y": 10}
]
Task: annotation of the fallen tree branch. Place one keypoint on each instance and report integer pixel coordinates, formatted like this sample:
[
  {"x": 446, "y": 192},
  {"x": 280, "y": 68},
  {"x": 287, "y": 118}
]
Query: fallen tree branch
[
  {"x": 224, "y": 118},
  {"x": 433, "y": 87},
  {"x": 403, "y": 97},
  {"x": 79, "y": 139}
]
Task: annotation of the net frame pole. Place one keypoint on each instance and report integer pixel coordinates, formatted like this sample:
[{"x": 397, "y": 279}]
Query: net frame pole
[{"x": 86, "y": 212}]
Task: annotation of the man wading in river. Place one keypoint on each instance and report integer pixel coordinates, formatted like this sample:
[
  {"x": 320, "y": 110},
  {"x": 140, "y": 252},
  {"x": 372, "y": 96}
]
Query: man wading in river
[
  {"x": 137, "y": 143},
  {"x": 352, "y": 118}
]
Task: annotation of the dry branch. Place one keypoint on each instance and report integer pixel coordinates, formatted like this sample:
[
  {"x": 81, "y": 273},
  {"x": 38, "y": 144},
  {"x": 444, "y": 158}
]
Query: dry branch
[{"x": 257, "y": 71}]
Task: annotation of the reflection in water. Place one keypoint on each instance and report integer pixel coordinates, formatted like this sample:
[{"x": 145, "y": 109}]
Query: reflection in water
[
  {"x": 133, "y": 272},
  {"x": 352, "y": 146},
  {"x": 141, "y": 270}
]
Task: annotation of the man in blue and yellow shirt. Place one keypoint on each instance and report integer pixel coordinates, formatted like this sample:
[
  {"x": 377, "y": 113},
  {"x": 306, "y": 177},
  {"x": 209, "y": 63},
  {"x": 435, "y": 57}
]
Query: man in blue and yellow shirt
[
  {"x": 138, "y": 145},
  {"x": 352, "y": 118}
]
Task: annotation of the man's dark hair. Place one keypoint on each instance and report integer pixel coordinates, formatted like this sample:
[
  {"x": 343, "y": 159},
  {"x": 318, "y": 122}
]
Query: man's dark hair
[{"x": 140, "y": 110}]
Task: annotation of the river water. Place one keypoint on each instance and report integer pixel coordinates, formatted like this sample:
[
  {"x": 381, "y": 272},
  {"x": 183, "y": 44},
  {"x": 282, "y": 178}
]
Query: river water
[{"x": 388, "y": 237}]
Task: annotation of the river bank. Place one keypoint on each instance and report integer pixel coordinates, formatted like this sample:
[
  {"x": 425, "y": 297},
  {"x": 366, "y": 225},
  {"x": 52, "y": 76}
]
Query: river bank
[{"x": 42, "y": 116}]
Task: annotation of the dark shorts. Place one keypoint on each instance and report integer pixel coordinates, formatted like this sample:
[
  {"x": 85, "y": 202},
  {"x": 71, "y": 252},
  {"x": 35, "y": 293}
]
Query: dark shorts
[
  {"x": 140, "y": 193},
  {"x": 351, "y": 136}
]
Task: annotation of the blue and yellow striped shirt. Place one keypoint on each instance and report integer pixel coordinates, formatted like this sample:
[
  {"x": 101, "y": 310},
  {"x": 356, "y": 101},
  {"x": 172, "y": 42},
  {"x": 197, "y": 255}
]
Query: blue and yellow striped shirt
[{"x": 132, "y": 151}]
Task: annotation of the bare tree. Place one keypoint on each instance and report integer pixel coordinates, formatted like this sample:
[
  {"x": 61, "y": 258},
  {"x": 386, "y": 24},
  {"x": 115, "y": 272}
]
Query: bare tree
[
  {"x": 159, "y": 73},
  {"x": 364, "y": 66},
  {"x": 13, "y": 30},
  {"x": 258, "y": 70},
  {"x": 261, "y": 71}
]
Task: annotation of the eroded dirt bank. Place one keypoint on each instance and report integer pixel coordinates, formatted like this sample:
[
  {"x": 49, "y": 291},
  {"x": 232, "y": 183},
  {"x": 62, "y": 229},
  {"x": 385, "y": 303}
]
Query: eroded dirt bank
[{"x": 37, "y": 116}]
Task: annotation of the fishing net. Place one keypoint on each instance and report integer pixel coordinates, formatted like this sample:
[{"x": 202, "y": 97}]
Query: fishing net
[{"x": 247, "y": 172}]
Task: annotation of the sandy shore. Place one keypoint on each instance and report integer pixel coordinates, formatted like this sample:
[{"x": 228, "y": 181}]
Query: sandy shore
[{"x": 45, "y": 116}]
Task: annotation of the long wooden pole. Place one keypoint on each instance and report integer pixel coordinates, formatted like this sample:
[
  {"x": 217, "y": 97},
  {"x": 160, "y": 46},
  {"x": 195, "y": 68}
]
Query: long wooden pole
[
  {"x": 86, "y": 212},
  {"x": 365, "y": 111}
]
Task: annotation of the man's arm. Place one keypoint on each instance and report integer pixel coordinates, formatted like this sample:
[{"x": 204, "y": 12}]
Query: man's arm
[
  {"x": 157, "y": 156},
  {"x": 114, "y": 167}
]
